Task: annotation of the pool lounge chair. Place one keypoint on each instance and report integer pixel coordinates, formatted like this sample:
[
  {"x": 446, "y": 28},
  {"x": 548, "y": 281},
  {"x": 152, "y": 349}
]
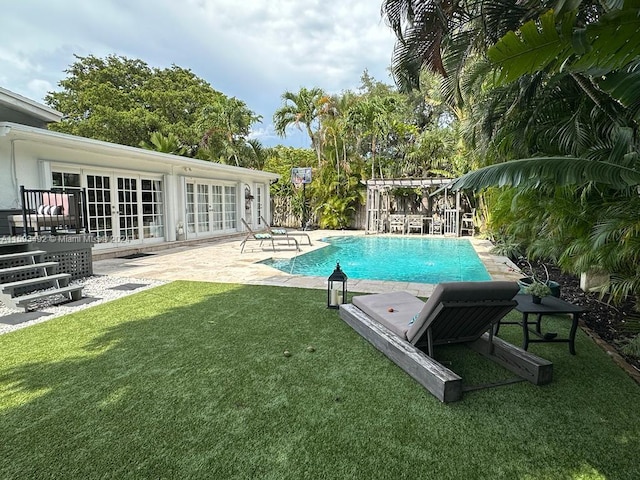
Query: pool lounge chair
[
  {"x": 262, "y": 237},
  {"x": 279, "y": 232},
  {"x": 400, "y": 325}
]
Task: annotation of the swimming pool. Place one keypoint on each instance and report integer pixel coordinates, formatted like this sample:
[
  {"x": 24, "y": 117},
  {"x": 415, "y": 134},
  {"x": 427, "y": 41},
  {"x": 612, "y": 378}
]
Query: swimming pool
[{"x": 404, "y": 259}]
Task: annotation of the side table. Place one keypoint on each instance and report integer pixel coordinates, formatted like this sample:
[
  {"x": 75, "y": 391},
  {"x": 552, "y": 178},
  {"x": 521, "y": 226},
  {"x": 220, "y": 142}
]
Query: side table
[{"x": 549, "y": 306}]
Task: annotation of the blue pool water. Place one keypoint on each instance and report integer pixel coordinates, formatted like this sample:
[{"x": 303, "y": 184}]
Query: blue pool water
[{"x": 421, "y": 260}]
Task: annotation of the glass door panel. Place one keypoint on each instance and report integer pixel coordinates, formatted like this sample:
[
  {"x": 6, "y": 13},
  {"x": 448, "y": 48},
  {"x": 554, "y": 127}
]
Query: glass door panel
[
  {"x": 217, "y": 208},
  {"x": 191, "y": 208},
  {"x": 152, "y": 208},
  {"x": 230, "y": 210},
  {"x": 99, "y": 207},
  {"x": 203, "y": 208},
  {"x": 128, "y": 221}
]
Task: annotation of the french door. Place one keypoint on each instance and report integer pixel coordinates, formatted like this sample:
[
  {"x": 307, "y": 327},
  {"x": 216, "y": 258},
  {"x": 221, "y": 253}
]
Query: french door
[
  {"x": 211, "y": 208},
  {"x": 125, "y": 208}
]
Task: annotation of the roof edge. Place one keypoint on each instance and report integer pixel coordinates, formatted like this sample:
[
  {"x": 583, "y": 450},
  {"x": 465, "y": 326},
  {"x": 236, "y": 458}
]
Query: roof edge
[
  {"x": 31, "y": 107},
  {"x": 15, "y": 129}
]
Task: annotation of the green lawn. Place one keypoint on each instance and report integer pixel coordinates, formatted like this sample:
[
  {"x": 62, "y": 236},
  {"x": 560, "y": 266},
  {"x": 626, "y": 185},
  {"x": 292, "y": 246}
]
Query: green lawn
[{"x": 189, "y": 380}]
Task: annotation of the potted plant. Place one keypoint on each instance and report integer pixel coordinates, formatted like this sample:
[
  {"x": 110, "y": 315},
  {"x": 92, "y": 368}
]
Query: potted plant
[
  {"x": 530, "y": 278},
  {"x": 537, "y": 290}
]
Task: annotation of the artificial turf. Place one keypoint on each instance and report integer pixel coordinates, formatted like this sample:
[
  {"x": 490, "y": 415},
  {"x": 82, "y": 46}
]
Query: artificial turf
[{"x": 189, "y": 380}]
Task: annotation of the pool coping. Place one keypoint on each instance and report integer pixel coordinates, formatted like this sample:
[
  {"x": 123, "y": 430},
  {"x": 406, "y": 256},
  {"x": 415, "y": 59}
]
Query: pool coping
[{"x": 222, "y": 261}]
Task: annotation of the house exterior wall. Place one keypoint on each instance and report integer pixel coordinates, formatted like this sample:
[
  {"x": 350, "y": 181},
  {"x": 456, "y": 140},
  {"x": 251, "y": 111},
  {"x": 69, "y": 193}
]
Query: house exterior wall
[{"x": 29, "y": 156}]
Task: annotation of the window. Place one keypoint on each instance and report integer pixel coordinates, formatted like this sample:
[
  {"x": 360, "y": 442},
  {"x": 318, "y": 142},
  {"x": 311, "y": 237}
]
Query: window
[{"x": 65, "y": 180}]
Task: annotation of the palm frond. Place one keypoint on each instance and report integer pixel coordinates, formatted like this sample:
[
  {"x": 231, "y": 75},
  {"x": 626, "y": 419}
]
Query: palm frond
[
  {"x": 537, "y": 45},
  {"x": 533, "y": 172}
]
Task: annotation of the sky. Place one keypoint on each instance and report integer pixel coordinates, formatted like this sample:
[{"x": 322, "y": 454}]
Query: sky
[{"x": 254, "y": 50}]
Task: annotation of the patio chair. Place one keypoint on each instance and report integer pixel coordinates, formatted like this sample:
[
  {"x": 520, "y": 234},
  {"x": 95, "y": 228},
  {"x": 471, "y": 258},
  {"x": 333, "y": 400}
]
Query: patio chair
[
  {"x": 277, "y": 231},
  {"x": 401, "y": 325},
  {"x": 467, "y": 222},
  {"x": 415, "y": 222},
  {"x": 436, "y": 225},
  {"x": 396, "y": 222},
  {"x": 261, "y": 237}
]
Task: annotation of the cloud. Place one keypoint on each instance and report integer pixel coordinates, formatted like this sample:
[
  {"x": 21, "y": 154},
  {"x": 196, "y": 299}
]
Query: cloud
[{"x": 254, "y": 51}]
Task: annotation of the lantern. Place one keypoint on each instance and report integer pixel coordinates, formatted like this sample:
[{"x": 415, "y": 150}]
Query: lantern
[{"x": 336, "y": 288}]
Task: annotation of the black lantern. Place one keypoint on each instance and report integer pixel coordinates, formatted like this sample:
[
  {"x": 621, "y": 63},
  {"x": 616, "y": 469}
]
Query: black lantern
[{"x": 336, "y": 288}]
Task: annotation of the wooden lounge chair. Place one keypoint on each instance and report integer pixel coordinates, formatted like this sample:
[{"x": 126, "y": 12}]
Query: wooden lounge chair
[
  {"x": 277, "y": 231},
  {"x": 400, "y": 325},
  {"x": 262, "y": 237}
]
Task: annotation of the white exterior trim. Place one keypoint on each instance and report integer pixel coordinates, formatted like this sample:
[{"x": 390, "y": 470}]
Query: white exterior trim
[{"x": 28, "y": 155}]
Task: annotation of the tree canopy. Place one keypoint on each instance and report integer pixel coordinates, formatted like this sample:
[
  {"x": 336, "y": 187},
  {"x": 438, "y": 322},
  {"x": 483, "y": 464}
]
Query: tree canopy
[{"x": 126, "y": 101}]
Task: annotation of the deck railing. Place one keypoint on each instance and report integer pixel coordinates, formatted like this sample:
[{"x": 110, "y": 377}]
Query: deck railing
[{"x": 56, "y": 211}]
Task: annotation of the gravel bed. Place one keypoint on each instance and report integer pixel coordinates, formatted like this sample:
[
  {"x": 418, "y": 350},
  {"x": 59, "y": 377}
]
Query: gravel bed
[{"x": 98, "y": 288}]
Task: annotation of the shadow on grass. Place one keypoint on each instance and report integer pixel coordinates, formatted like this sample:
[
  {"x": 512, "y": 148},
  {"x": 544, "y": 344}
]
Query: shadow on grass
[{"x": 189, "y": 380}]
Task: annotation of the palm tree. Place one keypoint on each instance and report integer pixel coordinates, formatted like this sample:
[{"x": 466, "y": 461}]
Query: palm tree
[
  {"x": 165, "y": 144},
  {"x": 441, "y": 36},
  {"x": 258, "y": 154},
  {"x": 227, "y": 124},
  {"x": 563, "y": 112},
  {"x": 302, "y": 108},
  {"x": 372, "y": 117},
  {"x": 572, "y": 118}
]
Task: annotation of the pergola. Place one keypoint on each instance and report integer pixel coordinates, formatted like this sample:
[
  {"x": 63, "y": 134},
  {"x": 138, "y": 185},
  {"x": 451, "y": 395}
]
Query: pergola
[{"x": 379, "y": 200}]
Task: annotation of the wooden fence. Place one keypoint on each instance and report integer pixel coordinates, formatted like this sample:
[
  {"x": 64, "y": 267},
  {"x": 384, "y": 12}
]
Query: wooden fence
[{"x": 282, "y": 215}]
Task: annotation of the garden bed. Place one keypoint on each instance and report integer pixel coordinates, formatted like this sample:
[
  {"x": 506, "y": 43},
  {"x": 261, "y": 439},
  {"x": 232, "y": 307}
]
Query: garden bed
[{"x": 615, "y": 325}]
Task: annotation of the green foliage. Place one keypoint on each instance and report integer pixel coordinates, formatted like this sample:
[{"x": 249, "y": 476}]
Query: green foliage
[
  {"x": 125, "y": 101},
  {"x": 537, "y": 289},
  {"x": 389, "y": 133},
  {"x": 548, "y": 103},
  {"x": 281, "y": 160},
  {"x": 164, "y": 144},
  {"x": 335, "y": 197},
  {"x": 226, "y": 125},
  {"x": 301, "y": 109}
]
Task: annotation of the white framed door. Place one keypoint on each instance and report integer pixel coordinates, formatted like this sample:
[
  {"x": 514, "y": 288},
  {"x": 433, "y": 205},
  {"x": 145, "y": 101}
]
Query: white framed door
[
  {"x": 259, "y": 201},
  {"x": 100, "y": 207},
  {"x": 210, "y": 208},
  {"x": 125, "y": 207}
]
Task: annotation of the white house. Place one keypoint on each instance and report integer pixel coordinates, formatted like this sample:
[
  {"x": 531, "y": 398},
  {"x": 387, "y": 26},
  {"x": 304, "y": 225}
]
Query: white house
[{"x": 135, "y": 196}]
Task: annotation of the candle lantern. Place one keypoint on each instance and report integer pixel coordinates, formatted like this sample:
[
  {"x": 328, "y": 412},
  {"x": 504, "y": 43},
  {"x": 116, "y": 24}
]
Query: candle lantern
[{"x": 336, "y": 288}]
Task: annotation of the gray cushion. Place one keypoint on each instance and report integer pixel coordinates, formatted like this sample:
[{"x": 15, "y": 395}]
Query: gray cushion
[
  {"x": 405, "y": 306},
  {"x": 460, "y": 291}
]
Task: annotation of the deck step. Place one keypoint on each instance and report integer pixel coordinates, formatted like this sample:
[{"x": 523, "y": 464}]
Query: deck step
[
  {"x": 73, "y": 292},
  {"x": 28, "y": 253},
  {"x": 24, "y": 268},
  {"x": 11, "y": 286}
]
